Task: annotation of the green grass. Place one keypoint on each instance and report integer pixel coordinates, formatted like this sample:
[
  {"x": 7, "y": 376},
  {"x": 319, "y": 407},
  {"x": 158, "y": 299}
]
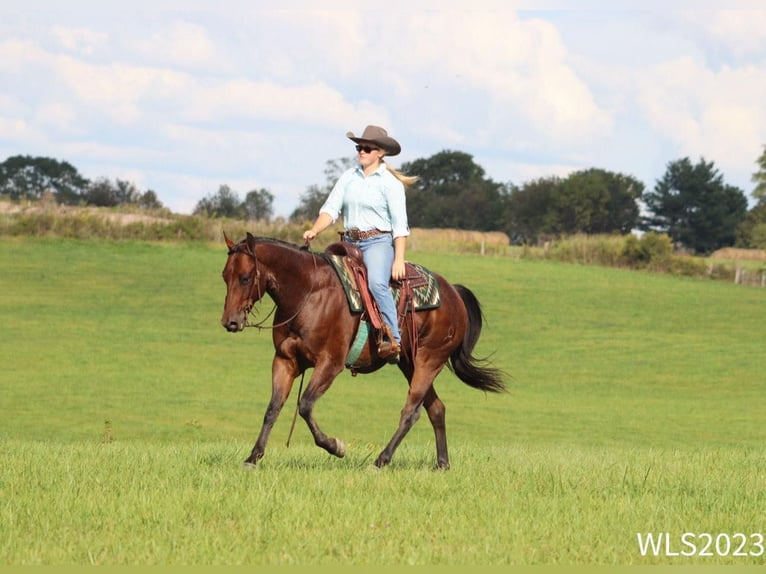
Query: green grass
[
  {"x": 635, "y": 405},
  {"x": 162, "y": 503}
]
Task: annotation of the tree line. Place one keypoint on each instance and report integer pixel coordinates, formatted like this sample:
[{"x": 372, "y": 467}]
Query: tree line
[
  {"x": 691, "y": 202},
  {"x": 23, "y": 177}
]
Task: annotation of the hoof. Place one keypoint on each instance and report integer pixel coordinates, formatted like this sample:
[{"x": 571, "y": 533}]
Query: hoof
[
  {"x": 247, "y": 465},
  {"x": 381, "y": 461},
  {"x": 340, "y": 448}
]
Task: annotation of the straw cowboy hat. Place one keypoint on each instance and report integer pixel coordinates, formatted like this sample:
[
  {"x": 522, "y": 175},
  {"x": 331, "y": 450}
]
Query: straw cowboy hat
[{"x": 379, "y": 137}]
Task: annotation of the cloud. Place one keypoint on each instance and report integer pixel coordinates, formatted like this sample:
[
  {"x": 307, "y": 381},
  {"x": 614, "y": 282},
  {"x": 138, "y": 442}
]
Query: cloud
[
  {"x": 740, "y": 32},
  {"x": 56, "y": 116},
  {"x": 245, "y": 100},
  {"x": 16, "y": 55},
  {"x": 512, "y": 73},
  {"x": 82, "y": 41},
  {"x": 704, "y": 112},
  {"x": 185, "y": 96},
  {"x": 180, "y": 44}
]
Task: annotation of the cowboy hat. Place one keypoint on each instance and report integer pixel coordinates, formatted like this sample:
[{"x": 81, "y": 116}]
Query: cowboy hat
[{"x": 378, "y": 136}]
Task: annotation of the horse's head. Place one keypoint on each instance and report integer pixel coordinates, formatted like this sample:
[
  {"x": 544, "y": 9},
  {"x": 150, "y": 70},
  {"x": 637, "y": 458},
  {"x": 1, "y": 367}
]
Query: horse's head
[{"x": 242, "y": 278}]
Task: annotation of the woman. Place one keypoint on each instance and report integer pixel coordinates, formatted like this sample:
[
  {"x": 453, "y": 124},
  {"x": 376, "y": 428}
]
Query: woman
[{"x": 371, "y": 198}]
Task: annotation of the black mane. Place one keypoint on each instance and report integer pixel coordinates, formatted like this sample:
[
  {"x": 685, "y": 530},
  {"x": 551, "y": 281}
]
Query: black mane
[{"x": 242, "y": 246}]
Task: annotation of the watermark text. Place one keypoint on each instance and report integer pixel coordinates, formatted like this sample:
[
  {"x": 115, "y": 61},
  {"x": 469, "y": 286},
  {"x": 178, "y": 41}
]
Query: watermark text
[{"x": 701, "y": 544}]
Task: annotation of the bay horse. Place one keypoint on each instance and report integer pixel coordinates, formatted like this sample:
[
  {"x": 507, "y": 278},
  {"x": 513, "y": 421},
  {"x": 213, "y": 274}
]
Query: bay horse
[{"x": 313, "y": 327}]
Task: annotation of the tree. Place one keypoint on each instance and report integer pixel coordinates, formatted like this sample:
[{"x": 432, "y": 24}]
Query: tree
[
  {"x": 693, "y": 205},
  {"x": 597, "y": 201},
  {"x": 27, "y": 177},
  {"x": 314, "y": 197},
  {"x": 759, "y": 178},
  {"x": 101, "y": 193},
  {"x": 527, "y": 214},
  {"x": 258, "y": 205},
  {"x": 224, "y": 203},
  {"x": 149, "y": 200},
  {"x": 453, "y": 191},
  {"x": 126, "y": 192},
  {"x": 751, "y": 233},
  {"x": 588, "y": 201},
  {"x": 104, "y": 193},
  {"x": 309, "y": 204},
  {"x": 446, "y": 172}
]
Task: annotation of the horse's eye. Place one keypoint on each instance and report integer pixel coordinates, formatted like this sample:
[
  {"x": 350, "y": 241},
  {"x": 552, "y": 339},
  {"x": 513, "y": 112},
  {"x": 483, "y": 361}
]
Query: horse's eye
[{"x": 244, "y": 279}]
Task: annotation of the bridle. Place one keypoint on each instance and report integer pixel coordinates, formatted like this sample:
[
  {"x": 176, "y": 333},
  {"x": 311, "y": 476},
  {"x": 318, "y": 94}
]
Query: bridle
[{"x": 255, "y": 285}]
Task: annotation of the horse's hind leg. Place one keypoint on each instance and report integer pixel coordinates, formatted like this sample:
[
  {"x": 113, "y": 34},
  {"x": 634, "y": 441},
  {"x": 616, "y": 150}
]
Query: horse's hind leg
[
  {"x": 436, "y": 414},
  {"x": 320, "y": 381},
  {"x": 420, "y": 387}
]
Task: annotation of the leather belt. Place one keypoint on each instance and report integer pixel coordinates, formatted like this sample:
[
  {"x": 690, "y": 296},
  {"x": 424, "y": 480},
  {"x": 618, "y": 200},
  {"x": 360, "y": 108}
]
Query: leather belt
[{"x": 359, "y": 235}]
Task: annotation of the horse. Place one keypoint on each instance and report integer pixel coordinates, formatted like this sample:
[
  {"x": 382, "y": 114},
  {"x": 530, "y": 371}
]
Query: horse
[{"x": 313, "y": 327}]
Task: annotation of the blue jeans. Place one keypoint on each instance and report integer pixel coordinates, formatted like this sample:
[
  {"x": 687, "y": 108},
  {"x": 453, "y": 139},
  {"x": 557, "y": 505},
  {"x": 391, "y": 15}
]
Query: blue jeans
[{"x": 378, "y": 255}]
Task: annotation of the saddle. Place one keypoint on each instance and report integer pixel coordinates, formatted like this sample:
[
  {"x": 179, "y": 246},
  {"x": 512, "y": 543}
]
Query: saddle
[{"x": 417, "y": 291}]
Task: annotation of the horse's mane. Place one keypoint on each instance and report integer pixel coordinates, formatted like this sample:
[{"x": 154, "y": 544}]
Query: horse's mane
[
  {"x": 271, "y": 240},
  {"x": 276, "y": 241}
]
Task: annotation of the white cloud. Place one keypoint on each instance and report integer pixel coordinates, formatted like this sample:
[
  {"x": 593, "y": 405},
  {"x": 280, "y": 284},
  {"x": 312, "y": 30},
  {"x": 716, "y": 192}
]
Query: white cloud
[
  {"x": 82, "y": 41},
  {"x": 180, "y": 44},
  {"x": 117, "y": 90},
  {"x": 307, "y": 45},
  {"x": 187, "y": 97},
  {"x": 245, "y": 100},
  {"x": 16, "y": 55},
  {"x": 14, "y": 129},
  {"x": 708, "y": 113},
  {"x": 515, "y": 71},
  {"x": 742, "y": 32},
  {"x": 57, "y": 116}
]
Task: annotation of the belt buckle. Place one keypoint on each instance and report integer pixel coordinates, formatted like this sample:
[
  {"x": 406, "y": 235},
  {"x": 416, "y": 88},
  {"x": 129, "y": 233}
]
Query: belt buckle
[{"x": 354, "y": 234}]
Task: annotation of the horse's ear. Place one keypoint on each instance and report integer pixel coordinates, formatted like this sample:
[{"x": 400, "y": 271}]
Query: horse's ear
[
  {"x": 229, "y": 242},
  {"x": 251, "y": 242}
]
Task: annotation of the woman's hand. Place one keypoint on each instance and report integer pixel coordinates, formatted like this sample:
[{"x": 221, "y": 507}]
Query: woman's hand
[
  {"x": 397, "y": 270},
  {"x": 323, "y": 222}
]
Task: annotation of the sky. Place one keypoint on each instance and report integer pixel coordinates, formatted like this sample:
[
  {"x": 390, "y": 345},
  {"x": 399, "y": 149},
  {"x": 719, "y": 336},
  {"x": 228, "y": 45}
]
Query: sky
[{"x": 182, "y": 97}]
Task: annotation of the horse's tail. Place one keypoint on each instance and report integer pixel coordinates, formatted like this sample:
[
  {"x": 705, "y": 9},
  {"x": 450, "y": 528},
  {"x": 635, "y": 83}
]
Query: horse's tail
[{"x": 472, "y": 371}]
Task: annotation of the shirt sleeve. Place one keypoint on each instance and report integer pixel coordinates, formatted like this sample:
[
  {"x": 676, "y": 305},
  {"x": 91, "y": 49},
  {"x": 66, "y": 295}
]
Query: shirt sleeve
[
  {"x": 397, "y": 206},
  {"x": 334, "y": 202}
]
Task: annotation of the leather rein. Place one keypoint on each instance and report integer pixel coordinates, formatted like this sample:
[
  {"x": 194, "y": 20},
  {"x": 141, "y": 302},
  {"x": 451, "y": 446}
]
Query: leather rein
[{"x": 255, "y": 285}]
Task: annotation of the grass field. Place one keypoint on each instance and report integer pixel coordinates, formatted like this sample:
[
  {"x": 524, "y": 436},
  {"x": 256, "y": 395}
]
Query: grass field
[{"x": 635, "y": 406}]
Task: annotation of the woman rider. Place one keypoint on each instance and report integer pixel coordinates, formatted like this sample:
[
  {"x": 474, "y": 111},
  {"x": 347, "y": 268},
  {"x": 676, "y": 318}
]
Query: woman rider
[{"x": 371, "y": 199}]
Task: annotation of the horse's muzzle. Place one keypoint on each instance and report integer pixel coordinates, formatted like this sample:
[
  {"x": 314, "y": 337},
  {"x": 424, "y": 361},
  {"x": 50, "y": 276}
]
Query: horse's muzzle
[
  {"x": 232, "y": 327},
  {"x": 233, "y": 324}
]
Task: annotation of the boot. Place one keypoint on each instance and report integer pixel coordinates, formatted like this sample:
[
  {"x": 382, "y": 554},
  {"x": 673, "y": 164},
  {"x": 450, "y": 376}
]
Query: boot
[{"x": 389, "y": 351}]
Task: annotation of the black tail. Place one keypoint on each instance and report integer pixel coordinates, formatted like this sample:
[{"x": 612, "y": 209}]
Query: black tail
[{"x": 472, "y": 371}]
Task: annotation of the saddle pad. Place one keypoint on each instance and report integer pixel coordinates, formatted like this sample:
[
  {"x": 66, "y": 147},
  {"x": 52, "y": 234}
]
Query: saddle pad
[{"x": 425, "y": 295}]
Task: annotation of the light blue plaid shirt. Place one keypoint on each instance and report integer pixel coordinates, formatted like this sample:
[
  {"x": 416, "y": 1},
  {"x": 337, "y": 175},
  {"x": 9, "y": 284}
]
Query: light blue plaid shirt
[{"x": 373, "y": 202}]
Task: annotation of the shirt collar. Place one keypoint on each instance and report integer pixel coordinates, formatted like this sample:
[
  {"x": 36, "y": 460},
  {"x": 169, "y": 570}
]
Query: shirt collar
[{"x": 381, "y": 169}]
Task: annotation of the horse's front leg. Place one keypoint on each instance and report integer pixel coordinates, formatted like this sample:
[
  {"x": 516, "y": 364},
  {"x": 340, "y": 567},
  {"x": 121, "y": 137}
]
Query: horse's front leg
[
  {"x": 283, "y": 373},
  {"x": 321, "y": 379}
]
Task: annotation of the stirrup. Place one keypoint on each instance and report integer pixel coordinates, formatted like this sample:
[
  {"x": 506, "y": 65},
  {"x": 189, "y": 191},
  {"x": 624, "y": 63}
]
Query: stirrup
[{"x": 389, "y": 351}]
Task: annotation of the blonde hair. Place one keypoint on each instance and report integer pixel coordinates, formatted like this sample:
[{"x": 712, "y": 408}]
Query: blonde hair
[{"x": 405, "y": 179}]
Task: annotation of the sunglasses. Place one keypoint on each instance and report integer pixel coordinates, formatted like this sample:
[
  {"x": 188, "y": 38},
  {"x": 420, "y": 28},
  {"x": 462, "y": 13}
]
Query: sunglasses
[{"x": 366, "y": 148}]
